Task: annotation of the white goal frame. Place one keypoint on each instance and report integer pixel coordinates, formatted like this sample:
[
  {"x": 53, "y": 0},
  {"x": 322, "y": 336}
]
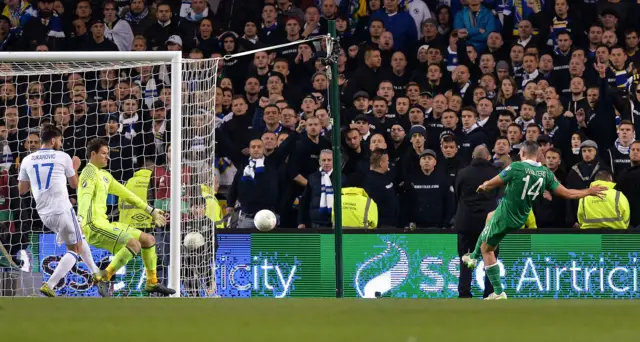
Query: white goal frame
[{"x": 175, "y": 59}]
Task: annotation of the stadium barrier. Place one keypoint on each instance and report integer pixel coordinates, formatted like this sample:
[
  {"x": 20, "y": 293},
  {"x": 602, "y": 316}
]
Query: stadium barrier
[{"x": 534, "y": 264}]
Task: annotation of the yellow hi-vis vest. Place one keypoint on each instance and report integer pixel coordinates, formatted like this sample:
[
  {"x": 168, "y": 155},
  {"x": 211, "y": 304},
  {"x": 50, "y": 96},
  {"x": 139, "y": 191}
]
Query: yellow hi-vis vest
[
  {"x": 358, "y": 210},
  {"x": 212, "y": 207},
  {"x": 611, "y": 211},
  {"x": 531, "y": 221},
  {"x": 129, "y": 214}
]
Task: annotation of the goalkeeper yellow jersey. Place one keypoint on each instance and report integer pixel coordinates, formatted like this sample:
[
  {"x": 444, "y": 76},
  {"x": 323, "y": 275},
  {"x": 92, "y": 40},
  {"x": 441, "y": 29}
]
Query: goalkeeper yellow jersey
[{"x": 94, "y": 186}]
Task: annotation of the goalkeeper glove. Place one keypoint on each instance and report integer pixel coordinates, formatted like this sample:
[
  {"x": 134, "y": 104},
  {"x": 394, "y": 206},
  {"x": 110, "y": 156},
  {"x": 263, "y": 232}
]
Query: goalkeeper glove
[{"x": 158, "y": 218}]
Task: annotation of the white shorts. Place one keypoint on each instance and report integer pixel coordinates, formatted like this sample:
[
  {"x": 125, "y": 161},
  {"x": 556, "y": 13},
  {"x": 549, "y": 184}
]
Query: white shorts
[{"x": 65, "y": 225}]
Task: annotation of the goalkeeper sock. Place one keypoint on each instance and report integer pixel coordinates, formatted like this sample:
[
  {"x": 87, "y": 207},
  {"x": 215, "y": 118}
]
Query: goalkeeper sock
[
  {"x": 493, "y": 272},
  {"x": 88, "y": 258},
  {"x": 64, "y": 266},
  {"x": 477, "y": 253},
  {"x": 121, "y": 258},
  {"x": 150, "y": 259}
]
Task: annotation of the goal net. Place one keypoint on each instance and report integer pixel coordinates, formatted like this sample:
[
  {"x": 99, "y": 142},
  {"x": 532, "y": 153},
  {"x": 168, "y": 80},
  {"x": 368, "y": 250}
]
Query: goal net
[{"x": 157, "y": 114}]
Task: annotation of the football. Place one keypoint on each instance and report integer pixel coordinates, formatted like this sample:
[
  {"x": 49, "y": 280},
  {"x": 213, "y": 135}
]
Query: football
[
  {"x": 193, "y": 240},
  {"x": 265, "y": 220}
]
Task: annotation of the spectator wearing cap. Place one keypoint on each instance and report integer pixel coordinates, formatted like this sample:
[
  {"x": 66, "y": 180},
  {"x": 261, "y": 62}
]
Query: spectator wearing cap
[
  {"x": 399, "y": 23},
  {"x": 628, "y": 184},
  {"x": 117, "y": 30},
  {"x": 428, "y": 195},
  {"x": 411, "y": 160},
  {"x": 97, "y": 40},
  {"x": 430, "y": 35},
  {"x": 379, "y": 185},
  {"x": 582, "y": 174},
  {"x": 360, "y": 107},
  {"x": 478, "y": 21},
  {"x": 174, "y": 43}
]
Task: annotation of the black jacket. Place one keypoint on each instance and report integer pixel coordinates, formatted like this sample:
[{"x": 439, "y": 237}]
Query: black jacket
[
  {"x": 552, "y": 214},
  {"x": 580, "y": 176},
  {"x": 629, "y": 185},
  {"x": 428, "y": 200},
  {"x": 616, "y": 161},
  {"x": 258, "y": 193},
  {"x": 469, "y": 141},
  {"x": 380, "y": 189},
  {"x": 473, "y": 207}
]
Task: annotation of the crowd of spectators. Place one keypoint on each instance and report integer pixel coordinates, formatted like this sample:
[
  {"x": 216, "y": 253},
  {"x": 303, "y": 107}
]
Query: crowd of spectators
[{"x": 422, "y": 83}]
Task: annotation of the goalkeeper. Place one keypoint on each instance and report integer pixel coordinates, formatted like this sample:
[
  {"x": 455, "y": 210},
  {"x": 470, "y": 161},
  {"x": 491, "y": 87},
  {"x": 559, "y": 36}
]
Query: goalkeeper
[{"x": 123, "y": 241}]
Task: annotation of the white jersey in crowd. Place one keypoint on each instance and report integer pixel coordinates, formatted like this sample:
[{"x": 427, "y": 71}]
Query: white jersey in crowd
[{"x": 47, "y": 170}]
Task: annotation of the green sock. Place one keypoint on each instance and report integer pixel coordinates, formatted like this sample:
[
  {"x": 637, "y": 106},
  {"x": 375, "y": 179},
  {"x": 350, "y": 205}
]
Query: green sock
[
  {"x": 120, "y": 259},
  {"x": 493, "y": 272},
  {"x": 150, "y": 259},
  {"x": 477, "y": 253}
]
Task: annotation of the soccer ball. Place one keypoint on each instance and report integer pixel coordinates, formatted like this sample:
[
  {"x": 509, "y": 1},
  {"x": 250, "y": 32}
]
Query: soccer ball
[
  {"x": 193, "y": 240},
  {"x": 265, "y": 220}
]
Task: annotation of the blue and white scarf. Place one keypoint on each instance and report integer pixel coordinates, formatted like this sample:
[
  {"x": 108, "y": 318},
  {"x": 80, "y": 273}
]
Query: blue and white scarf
[
  {"x": 620, "y": 148},
  {"x": 255, "y": 166},
  {"x": 326, "y": 192}
]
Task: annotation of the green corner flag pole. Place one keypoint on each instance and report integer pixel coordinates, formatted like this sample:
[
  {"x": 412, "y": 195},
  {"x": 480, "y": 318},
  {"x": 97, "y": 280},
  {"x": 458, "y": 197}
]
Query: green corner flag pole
[{"x": 334, "y": 102}]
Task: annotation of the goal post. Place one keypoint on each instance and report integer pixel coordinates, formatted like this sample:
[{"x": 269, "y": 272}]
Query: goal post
[{"x": 31, "y": 65}]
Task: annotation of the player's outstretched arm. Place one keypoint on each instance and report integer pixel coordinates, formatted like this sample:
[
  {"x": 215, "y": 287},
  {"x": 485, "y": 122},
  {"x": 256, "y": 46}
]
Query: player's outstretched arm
[
  {"x": 121, "y": 191},
  {"x": 492, "y": 183},
  {"x": 563, "y": 192}
]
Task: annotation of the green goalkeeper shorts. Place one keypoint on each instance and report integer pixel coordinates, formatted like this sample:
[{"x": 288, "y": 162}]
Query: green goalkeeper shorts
[
  {"x": 112, "y": 236},
  {"x": 495, "y": 230}
]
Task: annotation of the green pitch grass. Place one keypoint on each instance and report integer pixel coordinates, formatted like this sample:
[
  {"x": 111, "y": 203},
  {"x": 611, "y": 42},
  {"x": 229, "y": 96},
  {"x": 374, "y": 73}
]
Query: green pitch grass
[{"x": 316, "y": 320}]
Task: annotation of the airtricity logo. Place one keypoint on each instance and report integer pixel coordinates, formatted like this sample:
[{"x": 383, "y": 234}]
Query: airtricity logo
[{"x": 368, "y": 280}]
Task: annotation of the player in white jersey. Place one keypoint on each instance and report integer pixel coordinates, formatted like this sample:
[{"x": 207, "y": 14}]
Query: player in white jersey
[{"x": 45, "y": 172}]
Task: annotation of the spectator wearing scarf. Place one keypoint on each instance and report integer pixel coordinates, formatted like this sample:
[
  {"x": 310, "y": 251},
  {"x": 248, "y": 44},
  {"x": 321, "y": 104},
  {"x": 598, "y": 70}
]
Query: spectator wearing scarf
[
  {"x": 139, "y": 16},
  {"x": 317, "y": 200}
]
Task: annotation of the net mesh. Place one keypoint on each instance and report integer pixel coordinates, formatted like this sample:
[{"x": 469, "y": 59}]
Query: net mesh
[{"x": 129, "y": 105}]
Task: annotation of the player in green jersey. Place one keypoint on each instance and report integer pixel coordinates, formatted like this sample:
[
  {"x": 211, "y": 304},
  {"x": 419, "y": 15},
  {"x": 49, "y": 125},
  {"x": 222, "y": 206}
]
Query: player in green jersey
[
  {"x": 525, "y": 181},
  {"x": 123, "y": 241}
]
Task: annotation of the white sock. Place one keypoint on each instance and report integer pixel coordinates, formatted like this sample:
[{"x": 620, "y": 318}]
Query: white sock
[
  {"x": 64, "y": 266},
  {"x": 88, "y": 258}
]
